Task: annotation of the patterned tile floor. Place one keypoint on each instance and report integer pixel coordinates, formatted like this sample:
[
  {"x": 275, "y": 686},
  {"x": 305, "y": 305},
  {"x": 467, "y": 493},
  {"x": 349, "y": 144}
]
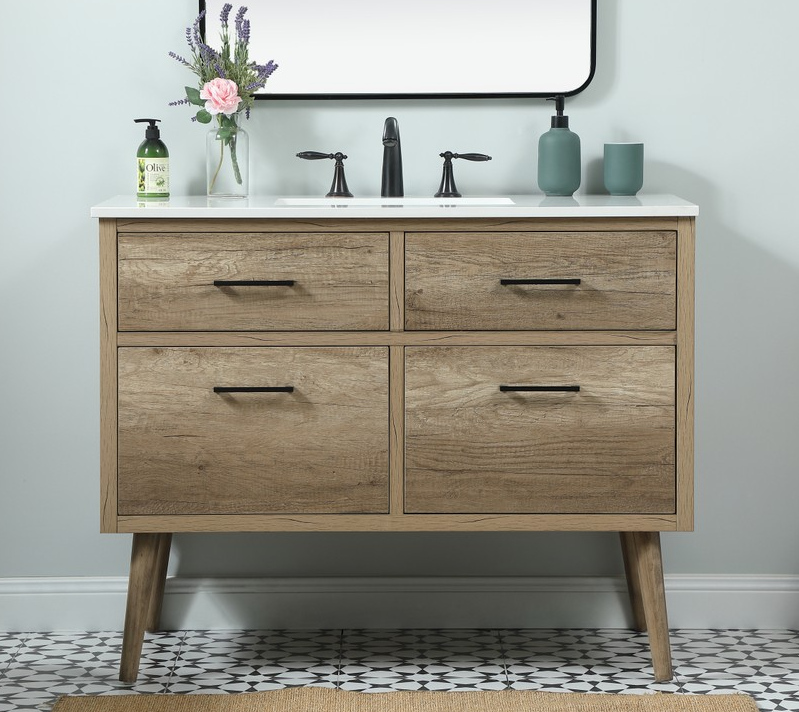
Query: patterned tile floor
[{"x": 35, "y": 668}]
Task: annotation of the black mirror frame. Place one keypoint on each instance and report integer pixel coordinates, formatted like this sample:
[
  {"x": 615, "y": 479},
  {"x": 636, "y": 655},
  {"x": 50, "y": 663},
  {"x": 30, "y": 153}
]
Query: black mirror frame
[{"x": 430, "y": 95}]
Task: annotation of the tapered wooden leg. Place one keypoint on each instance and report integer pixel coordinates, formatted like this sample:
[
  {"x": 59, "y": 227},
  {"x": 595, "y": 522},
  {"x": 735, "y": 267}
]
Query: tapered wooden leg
[
  {"x": 649, "y": 564},
  {"x": 157, "y": 588},
  {"x": 628, "y": 552},
  {"x": 143, "y": 566}
]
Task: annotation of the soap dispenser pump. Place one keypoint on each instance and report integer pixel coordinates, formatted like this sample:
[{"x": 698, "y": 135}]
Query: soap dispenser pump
[
  {"x": 152, "y": 159},
  {"x": 559, "y": 155}
]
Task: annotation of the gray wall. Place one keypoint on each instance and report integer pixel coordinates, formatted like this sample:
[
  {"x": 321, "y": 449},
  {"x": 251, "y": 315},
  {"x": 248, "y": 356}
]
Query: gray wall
[{"x": 709, "y": 86}]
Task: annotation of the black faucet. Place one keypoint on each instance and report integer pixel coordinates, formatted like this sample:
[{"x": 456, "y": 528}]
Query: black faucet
[
  {"x": 339, "y": 188},
  {"x": 447, "y": 188},
  {"x": 392, "y": 161}
]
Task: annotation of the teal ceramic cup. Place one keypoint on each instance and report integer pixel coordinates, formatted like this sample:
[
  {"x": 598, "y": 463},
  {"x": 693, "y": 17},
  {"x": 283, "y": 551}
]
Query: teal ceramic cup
[{"x": 624, "y": 168}]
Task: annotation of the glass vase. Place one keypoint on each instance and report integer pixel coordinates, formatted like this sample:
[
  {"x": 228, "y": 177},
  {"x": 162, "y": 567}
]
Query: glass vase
[{"x": 227, "y": 158}]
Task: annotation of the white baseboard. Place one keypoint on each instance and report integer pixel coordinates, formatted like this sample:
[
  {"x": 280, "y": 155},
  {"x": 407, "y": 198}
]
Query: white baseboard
[{"x": 694, "y": 601}]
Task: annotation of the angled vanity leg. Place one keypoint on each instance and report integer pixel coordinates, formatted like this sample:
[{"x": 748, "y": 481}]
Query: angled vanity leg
[
  {"x": 628, "y": 553},
  {"x": 649, "y": 565},
  {"x": 143, "y": 567},
  {"x": 157, "y": 589}
]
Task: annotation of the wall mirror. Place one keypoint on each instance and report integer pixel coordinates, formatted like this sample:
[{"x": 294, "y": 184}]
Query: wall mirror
[{"x": 419, "y": 48}]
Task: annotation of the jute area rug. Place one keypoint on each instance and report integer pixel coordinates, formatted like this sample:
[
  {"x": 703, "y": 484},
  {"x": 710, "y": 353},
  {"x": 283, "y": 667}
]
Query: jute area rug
[{"x": 321, "y": 699}]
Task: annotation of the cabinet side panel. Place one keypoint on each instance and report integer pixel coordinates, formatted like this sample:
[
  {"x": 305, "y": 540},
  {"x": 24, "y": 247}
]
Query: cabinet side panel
[
  {"x": 108, "y": 376},
  {"x": 686, "y": 238}
]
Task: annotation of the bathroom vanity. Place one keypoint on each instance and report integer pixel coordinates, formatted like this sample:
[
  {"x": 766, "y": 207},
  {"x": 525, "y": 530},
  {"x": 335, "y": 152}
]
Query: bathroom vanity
[{"x": 459, "y": 365}]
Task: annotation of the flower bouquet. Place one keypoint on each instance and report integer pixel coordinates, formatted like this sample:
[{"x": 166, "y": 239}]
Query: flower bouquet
[{"x": 227, "y": 82}]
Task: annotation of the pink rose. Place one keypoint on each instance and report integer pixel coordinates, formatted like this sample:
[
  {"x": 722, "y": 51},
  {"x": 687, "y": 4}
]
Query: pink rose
[{"x": 221, "y": 96}]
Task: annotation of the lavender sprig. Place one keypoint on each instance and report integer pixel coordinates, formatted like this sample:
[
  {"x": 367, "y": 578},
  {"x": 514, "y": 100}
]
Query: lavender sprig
[
  {"x": 265, "y": 70},
  {"x": 208, "y": 53},
  {"x": 240, "y": 20},
  {"x": 180, "y": 59},
  {"x": 223, "y": 16},
  {"x": 195, "y": 30}
]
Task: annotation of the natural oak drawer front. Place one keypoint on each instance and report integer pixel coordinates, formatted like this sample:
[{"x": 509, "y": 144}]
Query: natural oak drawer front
[
  {"x": 275, "y": 282},
  {"x": 608, "y": 447},
  {"x": 581, "y": 280},
  {"x": 186, "y": 449}
]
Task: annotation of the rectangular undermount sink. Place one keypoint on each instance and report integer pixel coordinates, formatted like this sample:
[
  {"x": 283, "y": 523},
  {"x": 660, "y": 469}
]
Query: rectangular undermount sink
[{"x": 393, "y": 202}]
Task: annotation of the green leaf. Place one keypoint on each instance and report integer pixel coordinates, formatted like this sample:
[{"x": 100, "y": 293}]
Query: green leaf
[
  {"x": 204, "y": 117},
  {"x": 193, "y": 95}
]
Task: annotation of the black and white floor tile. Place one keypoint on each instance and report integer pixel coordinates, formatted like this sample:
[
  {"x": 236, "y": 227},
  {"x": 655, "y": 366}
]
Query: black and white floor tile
[
  {"x": 36, "y": 668},
  {"x": 381, "y": 660}
]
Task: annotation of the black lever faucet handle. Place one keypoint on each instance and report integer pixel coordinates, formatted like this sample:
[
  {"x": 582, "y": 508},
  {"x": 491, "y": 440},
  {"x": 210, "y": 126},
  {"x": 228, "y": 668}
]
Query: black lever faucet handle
[
  {"x": 447, "y": 188},
  {"x": 472, "y": 156},
  {"x": 314, "y": 155},
  {"x": 339, "y": 187}
]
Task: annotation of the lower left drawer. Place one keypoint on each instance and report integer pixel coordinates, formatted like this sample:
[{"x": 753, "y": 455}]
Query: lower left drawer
[{"x": 223, "y": 430}]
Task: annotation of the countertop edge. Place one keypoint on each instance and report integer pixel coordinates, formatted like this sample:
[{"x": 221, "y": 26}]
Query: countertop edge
[{"x": 182, "y": 207}]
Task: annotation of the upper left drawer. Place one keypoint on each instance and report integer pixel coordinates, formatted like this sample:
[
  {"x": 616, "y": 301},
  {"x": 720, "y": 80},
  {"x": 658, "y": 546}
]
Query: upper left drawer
[{"x": 253, "y": 282}]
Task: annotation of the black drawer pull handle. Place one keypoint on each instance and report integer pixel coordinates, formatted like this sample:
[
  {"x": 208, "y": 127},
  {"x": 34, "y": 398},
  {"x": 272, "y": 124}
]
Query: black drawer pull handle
[
  {"x": 542, "y": 389},
  {"x": 253, "y": 389},
  {"x": 539, "y": 281},
  {"x": 253, "y": 282}
]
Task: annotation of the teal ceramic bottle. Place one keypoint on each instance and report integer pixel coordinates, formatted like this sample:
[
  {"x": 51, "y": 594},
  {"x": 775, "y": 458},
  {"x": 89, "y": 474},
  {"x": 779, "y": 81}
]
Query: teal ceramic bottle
[
  {"x": 559, "y": 155},
  {"x": 152, "y": 163}
]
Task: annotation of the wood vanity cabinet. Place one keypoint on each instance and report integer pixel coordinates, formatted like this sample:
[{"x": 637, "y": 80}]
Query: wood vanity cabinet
[{"x": 397, "y": 375}]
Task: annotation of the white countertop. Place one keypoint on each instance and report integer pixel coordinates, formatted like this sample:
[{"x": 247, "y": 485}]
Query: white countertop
[{"x": 514, "y": 206}]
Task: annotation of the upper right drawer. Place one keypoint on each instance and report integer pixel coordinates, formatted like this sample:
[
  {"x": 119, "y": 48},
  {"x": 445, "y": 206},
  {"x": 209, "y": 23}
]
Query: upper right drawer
[{"x": 540, "y": 280}]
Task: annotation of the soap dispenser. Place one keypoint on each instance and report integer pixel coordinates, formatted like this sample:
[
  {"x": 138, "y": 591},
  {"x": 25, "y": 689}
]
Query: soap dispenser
[
  {"x": 152, "y": 158},
  {"x": 559, "y": 155}
]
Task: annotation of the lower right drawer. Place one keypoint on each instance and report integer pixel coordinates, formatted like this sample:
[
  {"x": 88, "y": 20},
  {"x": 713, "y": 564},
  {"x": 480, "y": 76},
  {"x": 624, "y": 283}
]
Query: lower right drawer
[{"x": 540, "y": 429}]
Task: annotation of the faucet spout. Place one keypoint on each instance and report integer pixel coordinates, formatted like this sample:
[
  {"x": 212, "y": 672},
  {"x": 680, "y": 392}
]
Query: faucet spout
[{"x": 392, "y": 186}]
